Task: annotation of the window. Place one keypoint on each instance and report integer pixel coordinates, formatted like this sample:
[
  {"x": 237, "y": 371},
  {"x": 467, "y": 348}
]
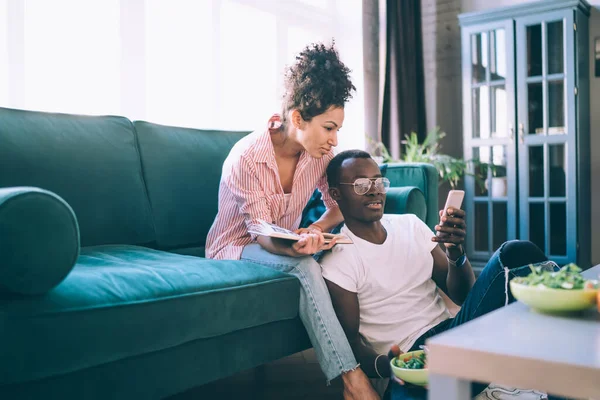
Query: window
[
  {"x": 4, "y": 83},
  {"x": 180, "y": 75},
  {"x": 249, "y": 70},
  {"x": 71, "y": 56},
  {"x": 210, "y": 64}
]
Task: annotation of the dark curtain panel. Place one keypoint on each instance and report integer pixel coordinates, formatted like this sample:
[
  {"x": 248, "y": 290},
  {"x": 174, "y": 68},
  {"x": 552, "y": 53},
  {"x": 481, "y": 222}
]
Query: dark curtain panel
[{"x": 403, "y": 108}]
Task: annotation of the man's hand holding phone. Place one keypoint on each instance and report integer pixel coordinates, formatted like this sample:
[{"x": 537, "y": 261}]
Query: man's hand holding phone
[{"x": 452, "y": 227}]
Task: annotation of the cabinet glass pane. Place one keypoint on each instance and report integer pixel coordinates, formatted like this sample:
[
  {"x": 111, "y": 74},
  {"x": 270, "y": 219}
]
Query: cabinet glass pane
[
  {"x": 498, "y": 53},
  {"x": 479, "y": 56},
  {"x": 498, "y": 180},
  {"x": 537, "y": 224},
  {"x": 536, "y": 171},
  {"x": 535, "y": 104},
  {"x": 481, "y": 158},
  {"x": 558, "y": 229},
  {"x": 534, "y": 50},
  {"x": 558, "y": 170},
  {"x": 481, "y": 226},
  {"x": 499, "y": 113},
  {"x": 556, "y": 107},
  {"x": 555, "y": 47},
  {"x": 500, "y": 234},
  {"x": 481, "y": 112}
]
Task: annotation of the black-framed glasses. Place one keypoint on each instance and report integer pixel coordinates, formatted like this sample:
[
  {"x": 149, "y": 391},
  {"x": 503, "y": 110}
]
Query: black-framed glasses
[{"x": 363, "y": 185}]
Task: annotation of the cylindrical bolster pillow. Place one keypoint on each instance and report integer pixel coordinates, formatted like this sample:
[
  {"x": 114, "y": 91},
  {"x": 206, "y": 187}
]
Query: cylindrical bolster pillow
[
  {"x": 406, "y": 200},
  {"x": 39, "y": 240}
]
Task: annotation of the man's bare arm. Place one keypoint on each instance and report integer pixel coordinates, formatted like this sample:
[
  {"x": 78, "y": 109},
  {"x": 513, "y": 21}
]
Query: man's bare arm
[
  {"x": 345, "y": 304},
  {"x": 456, "y": 282}
]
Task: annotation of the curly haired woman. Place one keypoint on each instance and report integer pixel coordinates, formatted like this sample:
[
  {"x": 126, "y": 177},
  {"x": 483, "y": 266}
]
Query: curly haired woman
[{"x": 270, "y": 175}]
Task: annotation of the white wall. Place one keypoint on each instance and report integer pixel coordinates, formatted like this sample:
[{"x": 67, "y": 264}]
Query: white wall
[{"x": 480, "y": 5}]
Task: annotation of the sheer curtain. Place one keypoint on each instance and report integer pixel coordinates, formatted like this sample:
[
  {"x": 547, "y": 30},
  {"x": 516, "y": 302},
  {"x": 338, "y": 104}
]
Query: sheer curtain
[{"x": 196, "y": 63}]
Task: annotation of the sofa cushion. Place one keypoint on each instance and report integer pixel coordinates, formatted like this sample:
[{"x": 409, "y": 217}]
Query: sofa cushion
[
  {"x": 91, "y": 162},
  {"x": 123, "y": 301},
  {"x": 39, "y": 240},
  {"x": 423, "y": 176},
  {"x": 406, "y": 200},
  {"x": 182, "y": 168}
]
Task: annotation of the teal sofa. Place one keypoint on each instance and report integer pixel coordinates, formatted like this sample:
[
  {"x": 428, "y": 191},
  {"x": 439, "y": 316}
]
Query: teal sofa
[{"x": 104, "y": 291}]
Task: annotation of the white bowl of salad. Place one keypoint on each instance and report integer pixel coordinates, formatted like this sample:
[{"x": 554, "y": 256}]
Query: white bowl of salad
[{"x": 561, "y": 291}]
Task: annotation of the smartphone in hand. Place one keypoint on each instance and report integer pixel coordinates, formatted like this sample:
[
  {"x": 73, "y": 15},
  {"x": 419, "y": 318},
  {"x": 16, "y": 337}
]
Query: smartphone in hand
[{"x": 454, "y": 200}]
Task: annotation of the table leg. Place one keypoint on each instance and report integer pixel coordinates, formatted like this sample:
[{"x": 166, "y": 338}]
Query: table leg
[{"x": 443, "y": 387}]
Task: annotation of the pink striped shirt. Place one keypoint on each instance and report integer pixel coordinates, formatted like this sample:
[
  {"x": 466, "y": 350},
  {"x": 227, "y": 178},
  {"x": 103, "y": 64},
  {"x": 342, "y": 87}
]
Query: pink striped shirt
[{"x": 250, "y": 189}]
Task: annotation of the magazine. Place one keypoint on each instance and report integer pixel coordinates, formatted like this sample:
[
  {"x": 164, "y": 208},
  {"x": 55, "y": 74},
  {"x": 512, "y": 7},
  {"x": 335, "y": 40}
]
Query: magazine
[{"x": 267, "y": 229}]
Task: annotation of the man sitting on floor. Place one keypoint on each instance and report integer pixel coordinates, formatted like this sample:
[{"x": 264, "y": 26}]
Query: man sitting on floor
[{"x": 384, "y": 286}]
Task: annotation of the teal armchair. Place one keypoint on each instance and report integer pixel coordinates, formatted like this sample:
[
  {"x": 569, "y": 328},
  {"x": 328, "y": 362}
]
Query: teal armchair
[{"x": 417, "y": 175}]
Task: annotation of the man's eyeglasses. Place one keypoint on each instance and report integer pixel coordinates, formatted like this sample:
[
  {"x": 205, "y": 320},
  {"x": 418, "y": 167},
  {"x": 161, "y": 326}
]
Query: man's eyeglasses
[{"x": 363, "y": 185}]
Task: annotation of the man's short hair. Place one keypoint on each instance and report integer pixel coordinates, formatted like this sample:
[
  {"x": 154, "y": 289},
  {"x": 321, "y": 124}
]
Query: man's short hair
[{"x": 333, "y": 169}]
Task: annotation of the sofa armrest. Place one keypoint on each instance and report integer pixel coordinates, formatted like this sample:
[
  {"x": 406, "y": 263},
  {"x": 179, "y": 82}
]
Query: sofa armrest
[
  {"x": 423, "y": 176},
  {"x": 406, "y": 200},
  {"x": 39, "y": 240}
]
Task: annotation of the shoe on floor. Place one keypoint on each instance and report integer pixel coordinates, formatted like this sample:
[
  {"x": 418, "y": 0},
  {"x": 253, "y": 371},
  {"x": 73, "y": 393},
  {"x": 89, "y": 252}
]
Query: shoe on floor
[{"x": 497, "y": 392}]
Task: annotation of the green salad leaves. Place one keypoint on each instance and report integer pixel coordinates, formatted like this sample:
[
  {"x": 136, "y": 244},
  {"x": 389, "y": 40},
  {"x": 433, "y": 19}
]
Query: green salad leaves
[
  {"x": 416, "y": 362},
  {"x": 568, "y": 277}
]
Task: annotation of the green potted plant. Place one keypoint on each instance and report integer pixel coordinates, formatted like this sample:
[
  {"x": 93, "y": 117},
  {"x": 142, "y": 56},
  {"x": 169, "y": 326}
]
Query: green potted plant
[{"x": 450, "y": 169}]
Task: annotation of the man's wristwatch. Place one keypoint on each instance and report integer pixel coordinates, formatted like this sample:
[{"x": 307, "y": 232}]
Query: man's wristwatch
[{"x": 459, "y": 262}]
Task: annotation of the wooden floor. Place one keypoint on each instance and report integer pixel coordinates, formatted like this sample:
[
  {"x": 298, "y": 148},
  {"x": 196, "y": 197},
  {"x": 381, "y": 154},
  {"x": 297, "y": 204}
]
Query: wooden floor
[{"x": 295, "y": 377}]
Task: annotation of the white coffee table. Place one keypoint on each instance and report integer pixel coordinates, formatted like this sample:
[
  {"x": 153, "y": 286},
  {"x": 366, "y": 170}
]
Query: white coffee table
[{"x": 517, "y": 347}]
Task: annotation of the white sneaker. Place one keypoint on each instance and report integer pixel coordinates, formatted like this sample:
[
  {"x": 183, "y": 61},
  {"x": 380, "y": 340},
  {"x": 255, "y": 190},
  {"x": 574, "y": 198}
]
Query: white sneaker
[{"x": 497, "y": 392}]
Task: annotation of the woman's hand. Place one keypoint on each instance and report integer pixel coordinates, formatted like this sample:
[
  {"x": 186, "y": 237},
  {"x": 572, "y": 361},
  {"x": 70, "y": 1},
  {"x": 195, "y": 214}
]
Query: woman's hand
[
  {"x": 310, "y": 243},
  {"x": 310, "y": 229}
]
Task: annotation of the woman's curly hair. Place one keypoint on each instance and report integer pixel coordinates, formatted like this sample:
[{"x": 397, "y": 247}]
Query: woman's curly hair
[{"x": 317, "y": 81}]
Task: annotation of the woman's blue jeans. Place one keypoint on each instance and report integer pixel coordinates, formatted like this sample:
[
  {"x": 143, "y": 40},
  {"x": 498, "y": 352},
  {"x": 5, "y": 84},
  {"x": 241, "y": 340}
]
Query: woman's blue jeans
[
  {"x": 331, "y": 346},
  {"x": 490, "y": 292}
]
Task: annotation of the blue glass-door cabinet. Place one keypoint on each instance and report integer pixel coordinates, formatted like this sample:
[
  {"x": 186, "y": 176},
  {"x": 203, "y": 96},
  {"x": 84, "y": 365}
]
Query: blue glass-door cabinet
[{"x": 526, "y": 128}]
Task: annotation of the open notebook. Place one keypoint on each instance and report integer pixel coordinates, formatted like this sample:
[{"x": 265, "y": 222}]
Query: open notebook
[{"x": 267, "y": 229}]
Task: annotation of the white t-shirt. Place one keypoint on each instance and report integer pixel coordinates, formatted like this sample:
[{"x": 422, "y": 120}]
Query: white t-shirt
[{"x": 398, "y": 299}]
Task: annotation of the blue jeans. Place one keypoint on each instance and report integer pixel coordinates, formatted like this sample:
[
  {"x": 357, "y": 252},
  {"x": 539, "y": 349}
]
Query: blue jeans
[
  {"x": 489, "y": 293},
  {"x": 331, "y": 346}
]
